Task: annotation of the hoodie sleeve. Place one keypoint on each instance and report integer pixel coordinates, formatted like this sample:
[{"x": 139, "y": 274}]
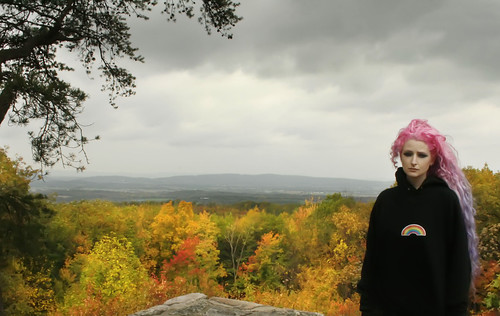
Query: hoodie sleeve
[
  {"x": 458, "y": 264},
  {"x": 365, "y": 285}
]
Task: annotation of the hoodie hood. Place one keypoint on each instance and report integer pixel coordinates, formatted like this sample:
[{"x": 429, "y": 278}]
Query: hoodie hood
[{"x": 430, "y": 180}]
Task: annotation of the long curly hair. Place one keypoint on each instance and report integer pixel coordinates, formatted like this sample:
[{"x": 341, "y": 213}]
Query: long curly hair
[{"x": 446, "y": 167}]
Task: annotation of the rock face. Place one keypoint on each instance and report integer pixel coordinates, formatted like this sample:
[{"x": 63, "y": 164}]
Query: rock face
[{"x": 197, "y": 304}]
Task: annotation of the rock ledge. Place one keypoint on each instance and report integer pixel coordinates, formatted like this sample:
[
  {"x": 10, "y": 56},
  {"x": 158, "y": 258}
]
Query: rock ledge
[{"x": 197, "y": 304}]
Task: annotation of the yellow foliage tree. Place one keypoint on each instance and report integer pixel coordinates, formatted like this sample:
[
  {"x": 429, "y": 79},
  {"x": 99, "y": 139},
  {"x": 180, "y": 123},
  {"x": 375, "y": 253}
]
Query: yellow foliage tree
[
  {"x": 168, "y": 231},
  {"x": 486, "y": 191},
  {"x": 112, "y": 281},
  {"x": 302, "y": 238},
  {"x": 207, "y": 252},
  {"x": 26, "y": 292},
  {"x": 348, "y": 246}
]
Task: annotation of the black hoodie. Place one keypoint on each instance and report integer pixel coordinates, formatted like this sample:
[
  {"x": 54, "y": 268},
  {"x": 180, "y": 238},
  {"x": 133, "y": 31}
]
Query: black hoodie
[{"x": 417, "y": 260}]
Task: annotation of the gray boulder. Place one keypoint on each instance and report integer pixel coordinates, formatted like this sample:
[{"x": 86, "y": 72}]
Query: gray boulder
[{"x": 197, "y": 304}]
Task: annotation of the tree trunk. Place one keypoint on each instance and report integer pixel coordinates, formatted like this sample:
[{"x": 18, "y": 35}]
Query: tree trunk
[
  {"x": 8, "y": 97},
  {"x": 2, "y": 311},
  {"x": 4, "y": 108}
]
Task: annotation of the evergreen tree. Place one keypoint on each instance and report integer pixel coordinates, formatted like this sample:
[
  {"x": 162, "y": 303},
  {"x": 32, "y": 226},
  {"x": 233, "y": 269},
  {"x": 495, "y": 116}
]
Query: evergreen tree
[{"x": 22, "y": 220}]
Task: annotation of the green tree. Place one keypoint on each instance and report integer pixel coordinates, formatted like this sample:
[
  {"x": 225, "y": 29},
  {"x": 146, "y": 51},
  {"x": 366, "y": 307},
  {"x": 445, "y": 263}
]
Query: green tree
[
  {"x": 76, "y": 226},
  {"x": 97, "y": 31},
  {"x": 492, "y": 300},
  {"x": 266, "y": 267},
  {"x": 27, "y": 292},
  {"x": 321, "y": 217},
  {"x": 238, "y": 235},
  {"x": 23, "y": 216}
]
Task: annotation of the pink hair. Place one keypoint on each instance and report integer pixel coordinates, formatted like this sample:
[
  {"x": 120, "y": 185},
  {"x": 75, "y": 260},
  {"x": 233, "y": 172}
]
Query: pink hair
[{"x": 447, "y": 168}]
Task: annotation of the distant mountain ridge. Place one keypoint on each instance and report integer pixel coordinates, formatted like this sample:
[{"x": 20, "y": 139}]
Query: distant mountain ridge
[{"x": 215, "y": 183}]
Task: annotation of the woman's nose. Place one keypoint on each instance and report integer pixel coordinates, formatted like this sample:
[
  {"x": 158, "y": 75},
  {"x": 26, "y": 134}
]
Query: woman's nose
[{"x": 414, "y": 160}]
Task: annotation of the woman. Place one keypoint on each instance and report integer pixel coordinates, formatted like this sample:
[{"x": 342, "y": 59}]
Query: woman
[{"x": 421, "y": 252}]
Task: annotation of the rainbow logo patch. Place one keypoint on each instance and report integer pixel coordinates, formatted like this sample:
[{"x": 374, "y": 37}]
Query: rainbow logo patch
[{"x": 413, "y": 229}]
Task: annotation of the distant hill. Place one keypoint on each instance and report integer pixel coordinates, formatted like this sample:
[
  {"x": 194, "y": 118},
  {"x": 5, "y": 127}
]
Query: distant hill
[{"x": 206, "y": 188}]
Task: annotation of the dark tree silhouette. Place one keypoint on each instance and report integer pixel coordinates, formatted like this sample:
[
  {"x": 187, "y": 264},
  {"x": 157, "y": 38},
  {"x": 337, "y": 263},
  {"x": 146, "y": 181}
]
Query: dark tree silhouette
[{"x": 96, "y": 31}]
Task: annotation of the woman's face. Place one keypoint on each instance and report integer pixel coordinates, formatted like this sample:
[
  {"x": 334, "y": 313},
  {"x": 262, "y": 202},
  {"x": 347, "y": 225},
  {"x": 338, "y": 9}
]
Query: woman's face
[{"x": 416, "y": 159}]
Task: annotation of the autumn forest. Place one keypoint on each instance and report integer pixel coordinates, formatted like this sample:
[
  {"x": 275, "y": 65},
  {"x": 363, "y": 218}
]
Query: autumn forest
[{"x": 95, "y": 257}]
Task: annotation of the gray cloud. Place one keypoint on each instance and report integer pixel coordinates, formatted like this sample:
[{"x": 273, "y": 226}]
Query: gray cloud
[{"x": 304, "y": 87}]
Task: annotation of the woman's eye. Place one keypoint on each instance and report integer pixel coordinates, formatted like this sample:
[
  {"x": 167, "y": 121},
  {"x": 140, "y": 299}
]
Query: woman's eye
[
  {"x": 422, "y": 155},
  {"x": 408, "y": 154}
]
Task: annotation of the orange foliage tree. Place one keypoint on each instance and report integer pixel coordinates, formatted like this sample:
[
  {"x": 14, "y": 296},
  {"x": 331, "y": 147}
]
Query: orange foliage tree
[
  {"x": 194, "y": 266},
  {"x": 486, "y": 191},
  {"x": 184, "y": 273}
]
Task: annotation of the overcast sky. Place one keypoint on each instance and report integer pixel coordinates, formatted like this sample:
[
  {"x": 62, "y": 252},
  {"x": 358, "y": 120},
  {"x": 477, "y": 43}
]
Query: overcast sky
[{"x": 315, "y": 88}]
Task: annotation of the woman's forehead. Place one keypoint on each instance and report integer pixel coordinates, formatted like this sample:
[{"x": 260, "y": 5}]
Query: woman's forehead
[{"x": 416, "y": 145}]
